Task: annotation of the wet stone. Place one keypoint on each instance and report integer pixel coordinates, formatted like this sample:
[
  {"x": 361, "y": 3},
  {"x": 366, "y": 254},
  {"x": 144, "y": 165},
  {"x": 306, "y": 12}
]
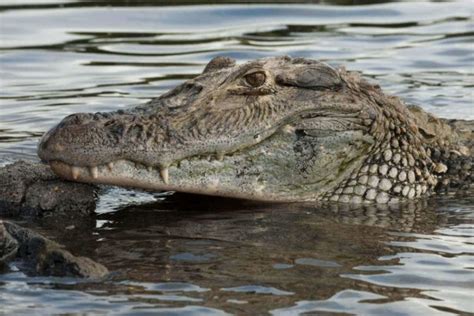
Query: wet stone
[
  {"x": 39, "y": 255},
  {"x": 32, "y": 189},
  {"x": 411, "y": 193}
]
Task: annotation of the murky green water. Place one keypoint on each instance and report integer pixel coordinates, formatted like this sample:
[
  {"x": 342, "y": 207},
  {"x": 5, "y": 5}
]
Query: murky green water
[{"x": 193, "y": 255}]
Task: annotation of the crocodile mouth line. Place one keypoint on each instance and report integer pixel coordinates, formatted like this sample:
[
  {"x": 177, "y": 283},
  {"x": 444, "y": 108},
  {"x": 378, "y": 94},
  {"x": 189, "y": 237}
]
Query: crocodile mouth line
[
  {"x": 96, "y": 173},
  {"x": 129, "y": 174},
  {"x": 136, "y": 175},
  {"x": 101, "y": 172}
]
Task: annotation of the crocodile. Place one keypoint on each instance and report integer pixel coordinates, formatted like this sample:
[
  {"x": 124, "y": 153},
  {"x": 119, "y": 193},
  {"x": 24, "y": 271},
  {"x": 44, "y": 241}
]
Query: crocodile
[{"x": 271, "y": 129}]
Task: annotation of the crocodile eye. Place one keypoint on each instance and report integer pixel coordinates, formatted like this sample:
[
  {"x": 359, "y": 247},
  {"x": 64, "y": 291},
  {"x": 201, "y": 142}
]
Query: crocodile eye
[{"x": 255, "y": 79}]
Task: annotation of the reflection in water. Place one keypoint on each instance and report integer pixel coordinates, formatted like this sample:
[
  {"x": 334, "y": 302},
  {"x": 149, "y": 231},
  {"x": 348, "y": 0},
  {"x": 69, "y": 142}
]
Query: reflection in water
[
  {"x": 187, "y": 249},
  {"x": 186, "y": 254}
]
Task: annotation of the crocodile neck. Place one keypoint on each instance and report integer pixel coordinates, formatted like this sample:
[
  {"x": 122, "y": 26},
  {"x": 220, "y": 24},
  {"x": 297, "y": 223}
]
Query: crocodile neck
[{"x": 416, "y": 154}]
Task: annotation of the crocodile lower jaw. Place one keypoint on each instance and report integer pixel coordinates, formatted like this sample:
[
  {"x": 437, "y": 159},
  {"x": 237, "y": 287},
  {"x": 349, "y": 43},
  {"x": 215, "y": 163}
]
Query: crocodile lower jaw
[{"x": 130, "y": 174}]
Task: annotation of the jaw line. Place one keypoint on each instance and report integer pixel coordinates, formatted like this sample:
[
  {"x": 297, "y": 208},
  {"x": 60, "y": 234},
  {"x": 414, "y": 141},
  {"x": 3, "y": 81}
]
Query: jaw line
[{"x": 126, "y": 173}]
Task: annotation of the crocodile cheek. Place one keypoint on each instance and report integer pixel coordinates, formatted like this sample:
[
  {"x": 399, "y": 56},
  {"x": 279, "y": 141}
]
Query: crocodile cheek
[{"x": 327, "y": 157}]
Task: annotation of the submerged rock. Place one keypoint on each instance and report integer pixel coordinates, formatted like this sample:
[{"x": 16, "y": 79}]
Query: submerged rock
[
  {"x": 8, "y": 248},
  {"x": 38, "y": 255},
  {"x": 32, "y": 189}
]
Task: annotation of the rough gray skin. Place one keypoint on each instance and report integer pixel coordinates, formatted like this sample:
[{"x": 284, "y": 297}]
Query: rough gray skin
[
  {"x": 32, "y": 189},
  {"x": 37, "y": 255},
  {"x": 277, "y": 129}
]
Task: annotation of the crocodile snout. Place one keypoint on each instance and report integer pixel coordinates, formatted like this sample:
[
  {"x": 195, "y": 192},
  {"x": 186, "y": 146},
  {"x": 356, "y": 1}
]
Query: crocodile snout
[{"x": 75, "y": 139}]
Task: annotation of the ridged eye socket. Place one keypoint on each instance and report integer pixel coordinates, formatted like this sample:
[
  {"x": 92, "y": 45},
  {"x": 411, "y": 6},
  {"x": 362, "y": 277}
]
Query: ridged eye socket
[{"x": 256, "y": 79}]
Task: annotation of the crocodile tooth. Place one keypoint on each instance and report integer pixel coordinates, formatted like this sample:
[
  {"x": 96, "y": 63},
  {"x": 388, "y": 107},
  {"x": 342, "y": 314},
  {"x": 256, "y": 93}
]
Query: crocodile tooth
[
  {"x": 164, "y": 174},
  {"x": 75, "y": 172},
  {"x": 220, "y": 156},
  {"x": 94, "y": 172},
  {"x": 110, "y": 165}
]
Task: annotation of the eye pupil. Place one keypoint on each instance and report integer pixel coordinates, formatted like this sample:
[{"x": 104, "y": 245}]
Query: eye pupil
[{"x": 255, "y": 79}]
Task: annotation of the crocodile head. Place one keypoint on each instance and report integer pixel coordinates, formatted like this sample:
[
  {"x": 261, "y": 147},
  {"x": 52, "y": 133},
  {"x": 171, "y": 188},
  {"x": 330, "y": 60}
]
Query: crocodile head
[{"x": 277, "y": 129}]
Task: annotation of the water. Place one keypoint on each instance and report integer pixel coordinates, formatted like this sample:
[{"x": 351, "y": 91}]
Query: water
[{"x": 183, "y": 254}]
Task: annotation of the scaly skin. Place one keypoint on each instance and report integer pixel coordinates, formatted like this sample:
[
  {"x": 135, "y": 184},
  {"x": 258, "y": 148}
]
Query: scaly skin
[{"x": 277, "y": 129}]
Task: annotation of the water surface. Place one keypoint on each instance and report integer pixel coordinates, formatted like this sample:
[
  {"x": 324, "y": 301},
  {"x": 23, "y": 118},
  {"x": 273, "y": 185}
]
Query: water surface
[{"x": 184, "y": 254}]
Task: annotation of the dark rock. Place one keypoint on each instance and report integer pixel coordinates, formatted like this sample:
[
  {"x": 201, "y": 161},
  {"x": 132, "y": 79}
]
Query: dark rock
[
  {"x": 8, "y": 248},
  {"x": 32, "y": 189},
  {"x": 37, "y": 255}
]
